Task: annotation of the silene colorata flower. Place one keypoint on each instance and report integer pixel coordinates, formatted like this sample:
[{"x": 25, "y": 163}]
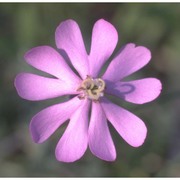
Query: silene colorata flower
[{"x": 88, "y": 110}]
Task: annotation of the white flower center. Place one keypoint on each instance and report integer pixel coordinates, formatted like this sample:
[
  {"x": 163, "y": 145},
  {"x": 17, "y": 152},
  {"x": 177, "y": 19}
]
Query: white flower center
[{"x": 91, "y": 88}]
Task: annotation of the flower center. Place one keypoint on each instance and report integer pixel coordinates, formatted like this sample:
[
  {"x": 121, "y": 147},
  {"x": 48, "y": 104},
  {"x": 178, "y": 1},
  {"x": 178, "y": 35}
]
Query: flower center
[{"x": 92, "y": 88}]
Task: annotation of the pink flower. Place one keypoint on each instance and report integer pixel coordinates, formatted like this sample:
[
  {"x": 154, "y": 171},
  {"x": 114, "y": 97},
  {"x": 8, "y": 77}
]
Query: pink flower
[{"x": 89, "y": 91}]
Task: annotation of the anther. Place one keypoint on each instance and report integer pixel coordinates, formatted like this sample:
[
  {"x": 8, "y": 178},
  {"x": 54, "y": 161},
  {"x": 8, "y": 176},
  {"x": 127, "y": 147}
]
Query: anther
[{"x": 92, "y": 88}]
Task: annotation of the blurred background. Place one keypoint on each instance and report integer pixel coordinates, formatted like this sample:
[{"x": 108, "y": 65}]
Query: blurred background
[{"x": 153, "y": 25}]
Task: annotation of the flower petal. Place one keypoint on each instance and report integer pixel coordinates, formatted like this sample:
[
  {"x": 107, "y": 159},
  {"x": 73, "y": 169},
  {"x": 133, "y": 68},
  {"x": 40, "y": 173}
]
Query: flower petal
[
  {"x": 104, "y": 40},
  {"x": 33, "y": 87},
  {"x": 44, "y": 124},
  {"x": 137, "y": 91},
  {"x": 74, "y": 141},
  {"x": 100, "y": 141},
  {"x": 50, "y": 61},
  {"x": 69, "y": 39},
  {"x": 128, "y": 60},
  {"x": 130, "y": 127}
]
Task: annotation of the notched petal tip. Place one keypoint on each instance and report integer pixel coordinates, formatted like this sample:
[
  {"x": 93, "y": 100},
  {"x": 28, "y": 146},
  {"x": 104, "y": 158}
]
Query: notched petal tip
[
  {"x": 129, "y": 59},
  {"x": 139, "y": 49}
]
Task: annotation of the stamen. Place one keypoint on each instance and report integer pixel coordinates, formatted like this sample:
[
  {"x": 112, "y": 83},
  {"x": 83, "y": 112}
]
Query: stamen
[{"x": 92, "y": 89}]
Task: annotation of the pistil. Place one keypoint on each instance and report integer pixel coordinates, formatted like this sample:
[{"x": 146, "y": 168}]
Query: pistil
[{"x": 92, "y": 88}]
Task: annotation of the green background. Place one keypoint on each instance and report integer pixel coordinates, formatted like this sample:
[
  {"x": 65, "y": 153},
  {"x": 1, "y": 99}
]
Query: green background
[{"x": 153, "y": 25}]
